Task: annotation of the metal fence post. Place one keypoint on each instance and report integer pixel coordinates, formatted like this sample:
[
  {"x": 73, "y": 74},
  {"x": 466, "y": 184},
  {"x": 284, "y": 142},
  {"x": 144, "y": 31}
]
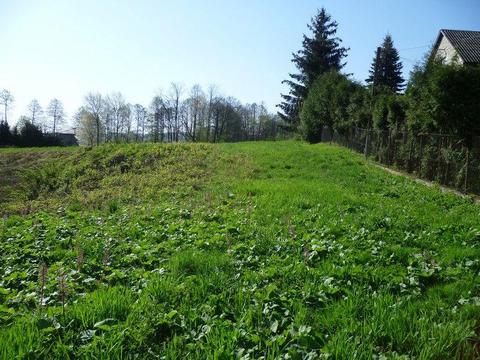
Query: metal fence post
[
  {"x": 410, "y": 145},
  {"x": 367, "y": 136},
  {"x": 465, "y": 186},
  {"x": 420, "y": 158}
]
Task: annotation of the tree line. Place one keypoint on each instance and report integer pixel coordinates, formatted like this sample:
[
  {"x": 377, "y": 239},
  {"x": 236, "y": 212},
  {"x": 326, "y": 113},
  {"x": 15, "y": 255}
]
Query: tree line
[
  {"x": 36, "y": 128},
  {"x": 438, "y": 97},
  {"x": 177, "y": 115}
]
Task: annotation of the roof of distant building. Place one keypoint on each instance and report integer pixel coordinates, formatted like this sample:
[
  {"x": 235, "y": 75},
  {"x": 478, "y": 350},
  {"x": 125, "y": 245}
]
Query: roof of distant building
[{"x": 465, "y": 42}]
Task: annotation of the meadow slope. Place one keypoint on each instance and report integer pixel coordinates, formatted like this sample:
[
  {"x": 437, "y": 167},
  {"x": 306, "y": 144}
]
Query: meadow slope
[{"x": 252, "y": 250}]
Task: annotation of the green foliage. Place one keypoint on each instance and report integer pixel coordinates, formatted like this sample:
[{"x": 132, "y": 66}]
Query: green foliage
[
  {"x": 42, "y": 179},
  {"x": 320, "y": 54},
  {"x": 6, "y": 137},
  {"x": 245, "y": 250},
  {"x": 440, "y": 98},
  {"x": 359, "y": 112},
  {"x": 25, "y": 134},
  {"x": 444, "y": 98},
  {"x": 92, "y": 177},
  {"x": 388, "y": 111},
  {"x": 386, "y": 69},
  {"x": 326, "y": 105}
]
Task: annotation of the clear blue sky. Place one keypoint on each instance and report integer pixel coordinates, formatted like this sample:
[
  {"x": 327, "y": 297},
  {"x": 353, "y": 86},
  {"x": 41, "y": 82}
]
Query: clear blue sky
[{"x": 66, "y": 48}]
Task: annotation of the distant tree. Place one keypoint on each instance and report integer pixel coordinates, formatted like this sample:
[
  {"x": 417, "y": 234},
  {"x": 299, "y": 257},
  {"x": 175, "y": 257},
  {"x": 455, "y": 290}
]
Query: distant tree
[
  {"x": 141, "y": 115},
  {"x": 386, "y": 70},
  {"x": 267, "y": 126},
  {"x": 212, "y": 91},
  {"x": 5, "y": 134},
  {"x": 87, "y": 127},
  {"x": 35, "y": 112},
  {"x": 108, "y": 119},
  {"x": 376, "y": 70},
  {"x": 199, "y": 117},
  {"x": 114, "y": 113},
  {"x": 219, "y": 110},
  {"x": 321, "y": 53},
  {"x": 25, "y": 134},
  {"x": 158, "y": 109},
  {"x": 126, "y": 121},
  {"x": 251, "y": 124},
  {"x": 22, "y": 120},
  {"x": 56, "y": 114},
  {"x": 15, "y": 139},
  {"x": 30, "y": 134},
  {"x": 6, "y": 99},
  {"x": 230, "y": 125},
  {"x": 176, "y": 90},
  {"x": 194, "y": 113},
  {"x": 94, "y": 105}
]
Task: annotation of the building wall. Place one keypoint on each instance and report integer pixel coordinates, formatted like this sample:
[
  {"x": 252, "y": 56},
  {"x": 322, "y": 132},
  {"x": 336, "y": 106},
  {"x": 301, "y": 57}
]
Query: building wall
[{"x": 447, "y": 52}]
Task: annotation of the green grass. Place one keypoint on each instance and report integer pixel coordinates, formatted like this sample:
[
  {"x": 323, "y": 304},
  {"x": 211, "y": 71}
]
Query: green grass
[
  {"x": 20, "y": 150},
  {"x": 250, "y": 250}
]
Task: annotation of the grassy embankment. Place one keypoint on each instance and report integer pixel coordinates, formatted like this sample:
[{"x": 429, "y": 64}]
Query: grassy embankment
[{"x": 232, "y": 250}]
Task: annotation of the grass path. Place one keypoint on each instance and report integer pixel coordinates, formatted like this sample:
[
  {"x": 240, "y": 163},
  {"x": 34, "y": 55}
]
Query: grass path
[
  {"x": 249, "y": 250},
  {"x": 428, "y": 183}
]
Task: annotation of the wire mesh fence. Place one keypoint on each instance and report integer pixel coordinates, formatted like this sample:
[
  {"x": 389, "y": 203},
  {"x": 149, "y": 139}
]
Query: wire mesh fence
[{"x": 444, "y": 159}]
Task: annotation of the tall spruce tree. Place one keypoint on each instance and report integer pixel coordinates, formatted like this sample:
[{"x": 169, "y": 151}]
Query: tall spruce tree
[
  {"x": 320, "y": 53},
  {"x": 386, "y": 67}
]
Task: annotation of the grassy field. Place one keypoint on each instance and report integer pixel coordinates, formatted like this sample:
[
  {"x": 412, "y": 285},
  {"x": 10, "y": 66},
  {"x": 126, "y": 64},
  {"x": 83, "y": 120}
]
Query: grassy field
[{"x": 277, "y": 250}]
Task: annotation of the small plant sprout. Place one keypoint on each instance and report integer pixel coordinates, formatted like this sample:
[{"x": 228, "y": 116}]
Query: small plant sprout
[
  {"x": 62, "y": 289},
  {"x": 306, "y": 254},
  {"x": 208, "y": 199},
  {"x": 80, "y": 257},
  {"x": 106, "y": 257},
  {"x": 42, "y": 280},
  {"x": 249, "y": 210},
  {"x": 228, "y": 239},
  {"x": 290, "y": 227}
]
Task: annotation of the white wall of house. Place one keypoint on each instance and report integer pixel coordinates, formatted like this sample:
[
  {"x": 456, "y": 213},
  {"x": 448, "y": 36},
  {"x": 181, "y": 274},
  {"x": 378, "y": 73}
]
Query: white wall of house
[{"x": 447, "y": 52}]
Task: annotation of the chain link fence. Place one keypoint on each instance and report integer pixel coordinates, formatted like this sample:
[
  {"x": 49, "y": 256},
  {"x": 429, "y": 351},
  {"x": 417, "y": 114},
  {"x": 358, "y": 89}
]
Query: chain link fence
[{"x": 444, "y": 159}]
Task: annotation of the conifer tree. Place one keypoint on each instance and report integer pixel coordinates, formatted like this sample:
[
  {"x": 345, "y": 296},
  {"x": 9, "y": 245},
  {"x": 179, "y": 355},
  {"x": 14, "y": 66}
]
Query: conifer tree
[
  {"x": 376, "y": 71},
  {"x": 320, "y": 53},
  {"x": 5, "y": 135},
  {"x": 386, "y": 68}
]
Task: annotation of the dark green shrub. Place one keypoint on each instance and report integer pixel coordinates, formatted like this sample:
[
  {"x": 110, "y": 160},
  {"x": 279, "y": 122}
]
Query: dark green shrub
[{"x": 326, "y": 105}]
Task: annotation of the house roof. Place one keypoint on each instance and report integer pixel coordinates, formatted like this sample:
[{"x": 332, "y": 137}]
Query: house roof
[{"x": 466, "y": 43}]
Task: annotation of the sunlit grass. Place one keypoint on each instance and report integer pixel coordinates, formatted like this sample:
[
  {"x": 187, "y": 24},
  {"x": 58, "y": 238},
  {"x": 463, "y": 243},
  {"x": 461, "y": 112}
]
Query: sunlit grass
[{"x": 236, "y": 250}]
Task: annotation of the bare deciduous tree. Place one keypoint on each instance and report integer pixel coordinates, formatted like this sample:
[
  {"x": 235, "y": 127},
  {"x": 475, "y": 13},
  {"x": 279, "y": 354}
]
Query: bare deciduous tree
[
  {"x": 94, "y": 105},
  {"x": 35, "y": 112},
  {"x": 113, "y": 106},
  {"x": 212, "y": 90},
  {"x": 6, "y": 99},
  {"x": 197, "y": 111},
  {"x": 125, "y": 116},
  {"x": 176, "y": 90},
  {"x": 140, "y": 120},
  {"x": 156, "y": 128},
  {"x": 56, "y": 113},
  {"x": 200, "y": 117}
]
